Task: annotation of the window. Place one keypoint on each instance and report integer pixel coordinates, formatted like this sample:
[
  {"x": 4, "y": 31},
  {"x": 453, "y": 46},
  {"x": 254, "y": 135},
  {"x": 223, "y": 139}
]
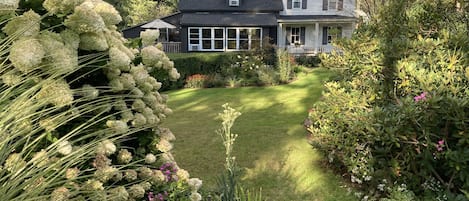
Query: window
[
  {"x": 332, "y": 4},
  {"x": 234, "y": 2},
  {"x": 330, "y": 34},
  {"x": 295, "y": 35},
  {"x": 206, "y": 39},
  {"x": 243, "y": 38},
  {"x": 296, "y": 3}
]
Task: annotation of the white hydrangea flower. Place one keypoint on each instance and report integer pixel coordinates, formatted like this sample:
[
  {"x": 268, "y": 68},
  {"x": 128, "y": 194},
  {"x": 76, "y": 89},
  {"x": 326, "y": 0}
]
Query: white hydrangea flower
[
  {"x": 89, "y": 92},
  {"x": 64, "y": 147},
  {"x": 70, "y": 39},
  {"x": 14, "y": 162},
  {"x": 57, "y": 93},
  {"x": 127, "y": 116},
  {"x": 7, "y": 6},
  {"x": 124, "y": 156},
  {"x": 116, "y": 85},
  {"x": 145, "y": 185},
  {"x": 40, "y": 159},
  {"x": 137, "y": 92},
  {"x": 195, "y": 196},
  {"x": 174, "y": 74},
  {"x": 93, "y": 41},
  {"x": 93, "y": 185},
  {"x": 130, "y": 175},
  {"x": 136, "y": 191},
  {"x": 150, "y": 158},
  {"x": 118, "y": 194},
  {"x": 85, "y": 20},
  {"x": 72, "y": 173},
  {"x": 158, "y": 177},
  {"x": 152, "y": 55},
  {"x": 109, "y": 14},
  {"x": 138, "y": 105},
  {"x": 139, "y": 120},
  {"x": 25, "y": 25},
  {"x": 146, "y": 87},
  {"x": 112, "y": 73},
  {"x": 164, "y": 146},
  {"x": 149, "y": 99},
  {"x": 26, "y": 54},
  {"x": 166, "y": 134},
  {"x": 118, "y": 126},
  {"x": 127, "y": 80},
  {"x": 139, "y": 73},
  {"x": 12, "y": 78},
  {"x": 106, "y": 147},
  {"x": 60, "y": 194},
  {"x": 149, "y": 36},
  {"x": 145, "y": 173},
  {"x": 118, "y": 58},
  {"x": 167, "y": 157},
  {"x": 195, "y": 184},
  {"x": 61, "y": 6},
  {"x": 105, "y": 174}
]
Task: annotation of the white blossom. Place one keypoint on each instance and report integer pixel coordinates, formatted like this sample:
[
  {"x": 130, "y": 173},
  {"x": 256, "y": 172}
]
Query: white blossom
[
  {"x": 108, "y": 13},
  {"x": 149, "y": 36},
  {"x": 106, "y": 147},
  {"x": 7, "y": 6},
  {"x": 64, "y": 147},
  {"x": 195, "y": 184},
  {"x": 195, "y": 196},
  {"x": 26, "y": 54},
  {"x": 57, "y": 93},
  {"x": 93, "y": 41},
  {"x": 61, "y": 6},
  {"x": 25, "y": 25},
  {"x": 118, "y": 58},
  {"x": 150, "y": 158},
  {"x": 85, "y": 20}
]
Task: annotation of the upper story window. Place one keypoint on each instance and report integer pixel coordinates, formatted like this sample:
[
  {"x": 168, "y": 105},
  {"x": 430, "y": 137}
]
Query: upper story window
[
  {"x": 296, "y": 4},
  {"x": 333, "y": 5},
  {"x": 234, "y": 2}
]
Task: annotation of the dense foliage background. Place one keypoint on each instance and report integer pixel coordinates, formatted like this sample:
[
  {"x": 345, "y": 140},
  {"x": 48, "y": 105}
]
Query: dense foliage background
[{"x": 397, "y": 118}]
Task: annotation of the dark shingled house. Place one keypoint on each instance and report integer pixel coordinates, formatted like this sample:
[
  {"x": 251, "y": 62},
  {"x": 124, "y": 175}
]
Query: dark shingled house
[{"x": 227, "y": 25}]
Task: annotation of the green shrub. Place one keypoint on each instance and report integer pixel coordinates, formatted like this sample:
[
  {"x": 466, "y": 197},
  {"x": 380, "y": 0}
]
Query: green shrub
[
  {"x": 415, "y": 134},
  {"x": 308, "y": 61},
  {"x": 285, "y": 66}
]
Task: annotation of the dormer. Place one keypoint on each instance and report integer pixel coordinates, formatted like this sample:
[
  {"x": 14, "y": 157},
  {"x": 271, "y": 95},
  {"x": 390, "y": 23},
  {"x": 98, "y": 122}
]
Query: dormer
[{"x": 233, "y": 3}]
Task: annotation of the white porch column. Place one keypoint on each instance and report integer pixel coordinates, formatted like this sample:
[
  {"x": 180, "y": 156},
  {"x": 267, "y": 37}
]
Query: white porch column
[
  {"x": 280, "y": 37},
  {"x": 317, "y": 40}
]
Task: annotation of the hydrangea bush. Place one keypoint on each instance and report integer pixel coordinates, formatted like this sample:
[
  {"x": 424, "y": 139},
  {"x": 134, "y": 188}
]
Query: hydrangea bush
[{"x": 80, "y": 113}]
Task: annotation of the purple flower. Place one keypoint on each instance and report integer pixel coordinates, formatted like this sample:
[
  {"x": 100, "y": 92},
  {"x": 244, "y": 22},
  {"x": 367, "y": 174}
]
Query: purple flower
[
  {"x": 421, "y": 97},
  {"x": 150, "y": 196}
]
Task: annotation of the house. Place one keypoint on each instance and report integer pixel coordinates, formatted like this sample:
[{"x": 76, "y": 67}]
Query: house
[
  {"x": 300, "y": 26},
  {"x": 309, "y": 26},
  {"x": 227, "y": 25}
]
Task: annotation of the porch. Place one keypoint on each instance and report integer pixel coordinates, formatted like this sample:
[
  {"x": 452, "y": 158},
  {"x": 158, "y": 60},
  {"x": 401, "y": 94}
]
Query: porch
[{"x": 311, "y": 35}]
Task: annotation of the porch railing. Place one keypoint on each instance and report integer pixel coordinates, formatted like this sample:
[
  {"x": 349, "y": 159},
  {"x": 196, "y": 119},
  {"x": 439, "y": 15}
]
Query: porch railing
[{"x": 171, "y": 47}]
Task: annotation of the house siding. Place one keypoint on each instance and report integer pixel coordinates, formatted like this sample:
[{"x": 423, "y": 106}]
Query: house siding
[{"x": 315, "y": 7}]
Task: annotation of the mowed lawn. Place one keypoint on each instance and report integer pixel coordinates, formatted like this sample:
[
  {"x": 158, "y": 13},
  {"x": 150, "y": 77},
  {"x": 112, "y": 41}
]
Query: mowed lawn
[{"x": 271, "y": 147}]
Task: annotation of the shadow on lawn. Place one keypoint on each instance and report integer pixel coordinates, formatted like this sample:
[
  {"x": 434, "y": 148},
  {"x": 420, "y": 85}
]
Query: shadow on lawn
[{"x": 272, "y": 144}]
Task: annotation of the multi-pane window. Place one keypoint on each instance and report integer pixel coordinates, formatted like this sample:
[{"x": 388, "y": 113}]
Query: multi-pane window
[
  {"x": 333, "y": 33},
  {"x": 296, "y": 3},
  {"x": 295, "y": 35},
  {"x": 209, "y": 39},
  {"x": 332, "y": 4},
  {"x": 219, "y": 39}
]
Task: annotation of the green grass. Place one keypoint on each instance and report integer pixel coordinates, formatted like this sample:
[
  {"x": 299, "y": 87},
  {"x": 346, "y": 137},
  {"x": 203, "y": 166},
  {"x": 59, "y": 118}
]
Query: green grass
[{"x": 271, "y": 147}]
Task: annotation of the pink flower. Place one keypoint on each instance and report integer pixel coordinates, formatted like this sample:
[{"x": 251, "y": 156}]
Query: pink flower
[
  {"x": 422, "y": 96},
  {"x": 440, "y": 145}
]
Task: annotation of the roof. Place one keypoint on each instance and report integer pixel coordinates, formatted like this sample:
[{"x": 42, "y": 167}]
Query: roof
[
  {"x": 229, "y": 19},
  {"x": 222, "y": 5},
  {"x": 312, "y": 18},
  {"x": 158, "y": 24}
]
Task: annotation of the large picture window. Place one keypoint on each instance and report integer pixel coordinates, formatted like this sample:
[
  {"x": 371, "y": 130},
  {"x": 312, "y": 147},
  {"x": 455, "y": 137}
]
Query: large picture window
[
  {"x": 221, "y": 39},
  {"x": 206, "y": 39}
]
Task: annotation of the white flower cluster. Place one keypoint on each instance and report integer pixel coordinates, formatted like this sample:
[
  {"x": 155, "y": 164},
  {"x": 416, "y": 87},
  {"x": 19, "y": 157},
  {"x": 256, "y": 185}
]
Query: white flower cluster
[
  {"x": 149, "y": 36},
  {"x": 57, "y": 93},
  {"x": 8, "y": 6}
]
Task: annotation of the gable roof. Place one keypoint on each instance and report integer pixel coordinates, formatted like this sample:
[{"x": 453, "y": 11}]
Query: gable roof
[
  {"x": 229, "y": 19},
  {"x": 222, "y": 5}
]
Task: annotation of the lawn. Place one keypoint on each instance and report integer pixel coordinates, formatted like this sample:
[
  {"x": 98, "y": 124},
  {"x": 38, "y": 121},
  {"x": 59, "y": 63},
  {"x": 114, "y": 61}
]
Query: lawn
[{"x": 271, "y": 148}]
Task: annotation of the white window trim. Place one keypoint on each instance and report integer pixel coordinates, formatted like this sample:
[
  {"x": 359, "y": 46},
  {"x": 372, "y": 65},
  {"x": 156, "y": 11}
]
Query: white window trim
[
  {"x": 233, "y": 4},
  {"x": 292, "y": 41},
  {"x": 300, "y": 4},
  {"x": 237, "y": 38},
  {"x": 201, "y": 38},
  {"x": 333, "y": 8}
]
